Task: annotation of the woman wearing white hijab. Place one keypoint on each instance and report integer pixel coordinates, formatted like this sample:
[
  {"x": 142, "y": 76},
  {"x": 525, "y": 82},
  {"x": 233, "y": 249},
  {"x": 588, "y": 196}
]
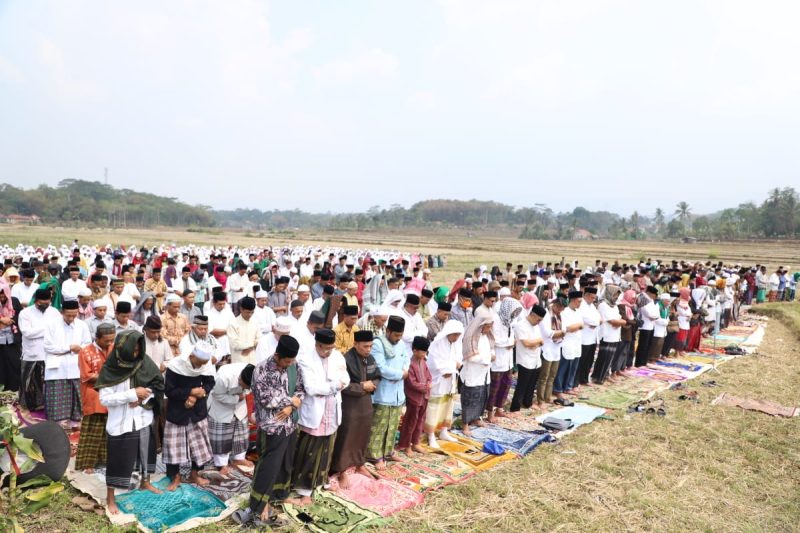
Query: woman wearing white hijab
[
  {"x": 444, "y": 362},
  {"x": 478, "y": 353}
]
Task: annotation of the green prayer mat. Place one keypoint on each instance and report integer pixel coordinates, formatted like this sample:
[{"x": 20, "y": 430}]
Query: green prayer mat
[
  {"x": 330, "y": 513},
  {"x": 163, "y": 511},
  {"x": 611, "y": 399}
]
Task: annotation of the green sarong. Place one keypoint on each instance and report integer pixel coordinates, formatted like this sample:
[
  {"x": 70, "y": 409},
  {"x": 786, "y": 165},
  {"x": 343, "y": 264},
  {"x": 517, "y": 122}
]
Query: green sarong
[{"x": 385, "y": 419}]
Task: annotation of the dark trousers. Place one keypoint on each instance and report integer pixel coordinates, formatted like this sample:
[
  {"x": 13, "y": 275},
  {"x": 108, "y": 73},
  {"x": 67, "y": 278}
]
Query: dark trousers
[
  {"x": 586, "y": 362},
  {"x": 10, "y": 366},
  {"x": 526, "y": 385},
  {"x": 605, "y": 356},
  {"x": 643, "y": 346},
  {"x": 413, "y": 422}
]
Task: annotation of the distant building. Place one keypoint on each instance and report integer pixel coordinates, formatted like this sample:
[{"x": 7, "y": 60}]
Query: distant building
[
  {"x": 582, "y": 235},
  {"x": 20, "y": 219},
  {"x": 689, "y": 240}
]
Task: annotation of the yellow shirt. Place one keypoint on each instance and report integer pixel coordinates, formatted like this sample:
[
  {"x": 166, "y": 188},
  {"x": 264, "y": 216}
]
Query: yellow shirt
[{"x": 344, "y": 337}]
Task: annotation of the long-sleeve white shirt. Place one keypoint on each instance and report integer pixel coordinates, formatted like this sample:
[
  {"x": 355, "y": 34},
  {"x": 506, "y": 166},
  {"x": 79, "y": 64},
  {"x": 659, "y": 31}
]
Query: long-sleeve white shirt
[
  {"x": 591, "y": 321},
  {"x": 60, "y": 361},
  {"x": 649, "y": 314},
  {"x": 122, "y": 418},
  {"x": 224, "y": 402},
  {"x": 32, "y": 324}
]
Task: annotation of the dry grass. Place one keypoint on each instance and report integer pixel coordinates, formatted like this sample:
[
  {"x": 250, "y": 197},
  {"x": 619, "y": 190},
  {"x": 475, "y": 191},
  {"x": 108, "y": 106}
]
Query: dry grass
[{"x": 701, "y": 467}]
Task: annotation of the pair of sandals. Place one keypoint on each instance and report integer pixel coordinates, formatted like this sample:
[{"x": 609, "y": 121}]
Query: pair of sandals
[
  {"x": 246, "y": 518},
  {"x": 644, "y": 406},
  {"x": 564, "y": 402},
  {"x": 690, "y": 396}
]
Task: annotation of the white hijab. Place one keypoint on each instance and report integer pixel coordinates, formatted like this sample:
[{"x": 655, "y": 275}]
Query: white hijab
[
  {"x": 183, "y": 366},
  {"x": 442, "y": 354}
]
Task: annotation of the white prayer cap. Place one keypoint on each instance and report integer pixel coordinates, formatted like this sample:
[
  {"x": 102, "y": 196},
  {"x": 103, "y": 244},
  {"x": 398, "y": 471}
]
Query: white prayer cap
[
  {"x": 505, "y": 291},
  {"x": 262, "y": 294},
  {"x": 283, "y": 324},
  {"x": 102, "y": 302},
  {"x": 303, "y": 288},
  {"x": 203, "y": 350},
  {"x": 426, "y": 271},
  {"x": 664, "y": 296},
  {"x": 172, "y": 297},
  {"x": 381, "y": 311},
  {"x": 85, "y": 291}
]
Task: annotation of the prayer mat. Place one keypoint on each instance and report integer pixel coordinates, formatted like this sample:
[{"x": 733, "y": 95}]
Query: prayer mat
[
  {"x": 640, "y": 386},
  {"x": 330, "y": 513},
  {"x": 762, "y": 406},
  {"x": 413, "y": 476},
  {"x": 159, "y": 512},
  {"x": 74, "y": 437},
  {"x": 650, "y": 373},
  {"x": 579, "y": 414},
  {"x": 29, "y": 418},
  {"x": 687, "y": 369},
  {"x": 705, "y": 358},
  {"x": 452, "y": 469},
  {"x": 379, "y": 495},
  {"x": 730, "y": 339},
  {"x": 683, "y": 366},
  {"x": 471, "y": 452},
  {"x": 226, "y": 488},
  {"x": 519, "y": 442},
  {"x": 611, "y": 399},
  {"x": 524, "y": 421}
]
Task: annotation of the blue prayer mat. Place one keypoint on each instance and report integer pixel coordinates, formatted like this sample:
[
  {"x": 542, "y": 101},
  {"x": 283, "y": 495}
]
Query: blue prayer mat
[{"x": 519, "y": 442}]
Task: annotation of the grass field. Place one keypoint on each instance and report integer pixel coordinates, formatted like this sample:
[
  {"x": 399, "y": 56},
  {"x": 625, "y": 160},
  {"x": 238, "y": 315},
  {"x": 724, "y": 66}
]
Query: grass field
[
  {"x": 463, "y": 250},
  {"x": 700, "y": 468}
]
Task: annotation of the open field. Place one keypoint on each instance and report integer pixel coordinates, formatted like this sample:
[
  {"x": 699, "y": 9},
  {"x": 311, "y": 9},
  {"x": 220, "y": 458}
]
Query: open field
[
  {"x": 464, "y": 251},
  {"x": 700, "y": 468}
]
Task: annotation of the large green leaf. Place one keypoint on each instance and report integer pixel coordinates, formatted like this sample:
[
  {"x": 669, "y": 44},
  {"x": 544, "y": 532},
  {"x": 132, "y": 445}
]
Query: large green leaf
[
  {"x": 29, "y": 448},
  {"x": 38, "y": 481},
  {"x": 32, "y": 507},
  {"x": 44, "y": 493}
]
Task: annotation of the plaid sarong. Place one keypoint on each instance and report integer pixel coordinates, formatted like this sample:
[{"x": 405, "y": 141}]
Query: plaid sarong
[
  {"x": 92, "y": 444},
  {"x": 62, "y": 399},
  {"x": 230, "y": 437},
  {"x": 186, "y": 443}
]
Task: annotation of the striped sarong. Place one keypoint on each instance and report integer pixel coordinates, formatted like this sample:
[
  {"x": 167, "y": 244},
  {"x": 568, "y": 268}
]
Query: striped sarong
[
  {"x": 312, "y": 460},
  {"x": 228, "y": 437},
  {"x": 135, "y": 450},
  {"x": 92, "y": 444},
  {"x": 440, "y": 413}
]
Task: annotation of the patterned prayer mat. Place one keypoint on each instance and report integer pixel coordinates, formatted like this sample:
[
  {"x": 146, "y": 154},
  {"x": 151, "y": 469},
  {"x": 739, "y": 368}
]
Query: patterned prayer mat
[
  {"x": 413, "y": 476},
  {"x": 519, "y": 442},
  {"x": 159, "y": 512},
  {"x": 379, "y": 495},
  {"x": 523, "y": 421},
  {"x": 660, "y": 375},
  {"x": 329, "y": 513},
  {"x": 451, "y": 469},
  {"x": 226, "y": 488},
  {"x": 471, "y": 452}
]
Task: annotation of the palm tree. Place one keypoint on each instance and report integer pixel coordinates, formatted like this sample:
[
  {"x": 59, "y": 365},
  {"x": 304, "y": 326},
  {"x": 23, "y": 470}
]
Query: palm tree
[
  {"x": 683, "y": 211},
  {"x": 635, "y": 224},
  {"x": 659, "y": 220}
]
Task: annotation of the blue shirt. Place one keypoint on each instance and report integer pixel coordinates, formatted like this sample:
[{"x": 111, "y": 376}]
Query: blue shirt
[{"x": 390, "y": 389}]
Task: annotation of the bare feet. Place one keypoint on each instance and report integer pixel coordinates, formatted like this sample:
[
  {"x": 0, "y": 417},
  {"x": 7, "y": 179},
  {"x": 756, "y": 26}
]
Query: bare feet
[
  {"x": 197, "y": 479},
  {"x": 409, "y": 451},
  {"x": 573, "y": 392},
  {"x": 380, "y": 465},
  {"x": 500, "y": 413},
  {"x": 175, "y": 483},
  {"x": 111, "y": 502},
  {"x": 225, "y": 471},
  {"x": 344, "y": 480},
  {"x": 364, "y": 471},
  {"x": 89, "y": 471},
  {"x": 480, "y": 423},
  {"x": 466, "y": 431},
  {"x": 419, "y": 449},
  {"x": 393, "y": 457},
  {"x": 299, "y": 502},
  {"x": 490, "y": 419},
  {"x": 244, "y": 463},
  {"x": 146, "y": 485}
]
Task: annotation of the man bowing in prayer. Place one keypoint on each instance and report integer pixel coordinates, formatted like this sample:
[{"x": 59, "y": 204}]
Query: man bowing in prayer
[
  {"x": 393, "y": 362},
  {"x": 324, "y": 377},
  {"x": 188, "y": 381},
  {"x": 131, "y": 388},
  {"x": 227, "y": 416},
  {"x": 353, "y": 434}
]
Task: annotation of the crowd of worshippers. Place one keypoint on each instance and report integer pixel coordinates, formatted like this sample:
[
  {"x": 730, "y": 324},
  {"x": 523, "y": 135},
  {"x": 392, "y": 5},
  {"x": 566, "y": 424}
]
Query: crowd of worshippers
[{"x": 333, "y": 359}]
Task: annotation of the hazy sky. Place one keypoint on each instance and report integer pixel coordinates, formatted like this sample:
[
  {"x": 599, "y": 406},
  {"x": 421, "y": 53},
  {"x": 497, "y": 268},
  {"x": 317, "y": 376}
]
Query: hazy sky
[{"x": 616, "y": 105}]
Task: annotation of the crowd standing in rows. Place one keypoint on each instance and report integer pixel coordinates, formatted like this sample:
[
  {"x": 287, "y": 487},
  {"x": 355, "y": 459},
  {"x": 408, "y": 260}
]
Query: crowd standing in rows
[{"x": 151, "y": 351}]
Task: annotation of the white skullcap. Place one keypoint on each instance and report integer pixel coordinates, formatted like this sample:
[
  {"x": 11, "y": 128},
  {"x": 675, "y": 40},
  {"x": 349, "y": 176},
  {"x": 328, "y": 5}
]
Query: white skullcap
[
  {"x": 505, "y": 291},
  {"x": 303, "y": 288},
  {"x": 283, "y": 324},
  {"x": 85, "y": 291},
  {"x": 262, "y": 294},
  {"x": 172, "y": 297},
  {"x": 203, "y": 350}
]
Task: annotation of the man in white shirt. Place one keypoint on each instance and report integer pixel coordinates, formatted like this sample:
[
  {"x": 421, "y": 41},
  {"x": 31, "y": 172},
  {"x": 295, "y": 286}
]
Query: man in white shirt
[
  {"x": 63, "y": 339},
  {"x": 238, "y": 286},
  {"x": 72, "y": 286},
  {"x": 220, "y": 317},
  {"x": 571, "y": 325},
  {"x": 244, "y": 333},
  {"x": 528, "y": 339},
  {"x": 263, "y": 314},
  {"x": 648, "y": 314},
  {"x": 415, "y": 326},
  {"x": 269, "y": 341},
  {"x": 184, "y": 282},
  {"x": 24, "y": 291},
  {"x": 591, "y": 323},
  {"x": 227, "y": 416},
  {"x": 774, "y": 283},
  {"x": 33, "y": 322}
]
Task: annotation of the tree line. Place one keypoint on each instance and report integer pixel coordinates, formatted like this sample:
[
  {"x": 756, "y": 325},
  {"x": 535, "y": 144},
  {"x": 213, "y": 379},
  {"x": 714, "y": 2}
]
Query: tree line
[{"x": 93, "y": 203}]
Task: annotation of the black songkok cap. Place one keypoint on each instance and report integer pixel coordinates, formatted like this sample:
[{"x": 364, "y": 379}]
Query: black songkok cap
[
  {"x": 325, "y": 336},
  {"x": 123, "y": 307},
  {"x": 287, "y": 346},
  {"x": 396, "y": 324},
  {"x": 350, "y": 310},
  {"x": 412, "y": 299},
  {"x": 69, "y": 304},
  {"x": 445, "y": 306},
  {"x": 420, "y": 343},
  {"x": 363, "y": 335},
  {"x": 538, "y": 310},
  {"x": 247, "y": 303}
]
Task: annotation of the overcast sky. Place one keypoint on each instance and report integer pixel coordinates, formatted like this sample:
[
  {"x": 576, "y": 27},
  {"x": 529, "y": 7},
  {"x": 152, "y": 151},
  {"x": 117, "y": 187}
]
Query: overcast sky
[{"x": 616, "y": 105}]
